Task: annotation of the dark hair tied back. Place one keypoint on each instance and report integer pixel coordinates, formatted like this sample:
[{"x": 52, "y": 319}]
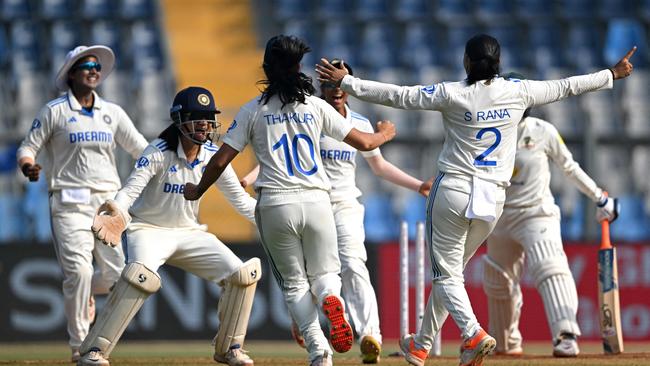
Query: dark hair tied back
[
  {"x": 484, "y": 55},
  {"x": 281, "y": 66}
]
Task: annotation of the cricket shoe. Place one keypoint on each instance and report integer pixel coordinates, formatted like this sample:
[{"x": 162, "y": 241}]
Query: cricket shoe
[
  {"x": 474, "y": 349},
  {"x": 412, "y": 353},
  {"x": 295, "y": 333},
  {"x": 566, "y": 346},
  {"x": 235, "y": 356},
  {"x": 94, "y": 357},
  {"x": 340, "y": 330},
  {"x": 323, "y": 360},
  {"x": 370, "y": 349}
]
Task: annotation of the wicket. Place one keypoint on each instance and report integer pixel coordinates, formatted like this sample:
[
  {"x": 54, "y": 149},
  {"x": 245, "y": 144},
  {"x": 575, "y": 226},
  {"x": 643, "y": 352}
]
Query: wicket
[{"x": 420, "y": 299}]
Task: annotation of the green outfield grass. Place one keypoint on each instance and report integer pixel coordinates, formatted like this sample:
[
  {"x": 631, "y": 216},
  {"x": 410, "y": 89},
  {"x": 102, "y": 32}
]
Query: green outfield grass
[{"x": 267, "y": 353}]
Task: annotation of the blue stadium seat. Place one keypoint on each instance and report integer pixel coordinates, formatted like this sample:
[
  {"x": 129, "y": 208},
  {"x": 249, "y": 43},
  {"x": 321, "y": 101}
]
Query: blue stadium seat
[
  {"x": 25, "y": 49},
  {"x": 332, "y": 9},
  {"x": 35, "y": 206},
  {"x": 15, "y": 9},
  {"x": 64, "y": 36},
  {"x": 337, "y": 41},
  {"x": 572, "y": 225},
  {"x": 137, "y": 9},
  {"x": 456, "y": 38},
  {"x": 632, "y": 224},
  {"x": 534, "y": 9},
  {"x": 622, "y": 34},
  {"x": 453, "y": 11},
  {"x": 291, "y": 9},
  {"x": 304, "y": 29},
  {"x": 10, "y": 216},
  {"x": 544, "y": 46},
  {"x": 57, "y": 9},
  {"x": 583, "y": 49},
  {"x": 418, "y": 47},
  {"x": 4, "y": 48},
  {"x": 494, "y": 11},
  {"x": 97, "y": 9},
  {"x": 380, "y": 222},
  {"x": 371, "y": 9},
  {"x": 109, "y": 34},
  {"x": 146, "y": 47},
  {"x": 411, "y": 10},
  {"x": 414, "y": 211},
  {"x": 644, "y": 10},
  {"x": 377, "y": 46},
  {"x": 610, "y": 9},
  {"x": 576, "y": 9}
]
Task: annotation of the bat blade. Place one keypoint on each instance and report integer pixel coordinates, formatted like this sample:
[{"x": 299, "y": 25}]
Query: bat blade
[{"x": 608, "y": 299}]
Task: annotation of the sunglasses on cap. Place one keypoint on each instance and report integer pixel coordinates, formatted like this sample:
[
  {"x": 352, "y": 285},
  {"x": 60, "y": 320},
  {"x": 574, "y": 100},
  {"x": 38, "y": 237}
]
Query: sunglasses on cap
[{"x": 89, "y": 66}]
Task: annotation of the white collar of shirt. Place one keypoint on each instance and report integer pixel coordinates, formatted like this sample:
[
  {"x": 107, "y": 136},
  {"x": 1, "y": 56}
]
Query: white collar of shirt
[
  {"x": 348, "y": 114},
  {"x": 76, "y": 106},
  {"x": 200, "y": 157}
]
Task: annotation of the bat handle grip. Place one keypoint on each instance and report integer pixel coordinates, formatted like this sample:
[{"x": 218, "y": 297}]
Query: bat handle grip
[{"x": 605, "y": 243}]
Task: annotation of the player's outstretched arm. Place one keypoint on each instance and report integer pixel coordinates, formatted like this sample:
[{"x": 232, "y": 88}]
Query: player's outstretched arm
[
  {"x": 367, "y": 141},
  {"x": 386, "y": 170},
  {"x": 623, "y": 67},
  {"x": 213, "y": 170}
]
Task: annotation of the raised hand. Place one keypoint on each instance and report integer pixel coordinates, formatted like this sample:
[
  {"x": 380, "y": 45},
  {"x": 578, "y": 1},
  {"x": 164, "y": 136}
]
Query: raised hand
[
  {"x": 386, "y": 128},
  {"x": 624, "y": 67},
  {"x": 328, "y": 73}
]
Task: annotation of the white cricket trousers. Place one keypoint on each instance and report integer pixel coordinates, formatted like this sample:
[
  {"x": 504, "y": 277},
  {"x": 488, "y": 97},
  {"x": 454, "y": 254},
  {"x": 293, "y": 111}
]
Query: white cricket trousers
[
  {"x": 75, "y": 247},
  {"x": 452, "y": 239},
  {"x": 299, "y": 236},
  {"x": 357, "y": 290},
  {"x": 190, "y": 249}
]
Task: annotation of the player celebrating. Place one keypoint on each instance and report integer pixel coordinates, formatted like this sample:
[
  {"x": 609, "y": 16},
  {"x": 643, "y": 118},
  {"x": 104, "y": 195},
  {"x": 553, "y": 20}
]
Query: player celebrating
[
  {"x": 79, "y": 132},
  {"x": 293, "y": 214},
  {"x": 480, "y": 116},
  {"x": 529, "y": 228},
  {"x": 156, "y": 236},
  {"x": 340, "y": 165}
]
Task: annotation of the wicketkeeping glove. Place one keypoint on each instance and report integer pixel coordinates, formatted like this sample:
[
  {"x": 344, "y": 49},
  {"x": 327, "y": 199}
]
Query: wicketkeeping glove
[
  {"x": 607, "y": 209},
  {"x": 109, "y": 223}
]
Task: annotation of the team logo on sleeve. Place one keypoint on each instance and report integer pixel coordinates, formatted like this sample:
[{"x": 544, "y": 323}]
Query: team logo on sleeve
[
  {"x": 107, "y": 119},
  {"x": 429, "y": 89},
  {"x": 142, "y": 162},
  {"x": 35, "y": 124},
  {"x": 233, "y": 125}
]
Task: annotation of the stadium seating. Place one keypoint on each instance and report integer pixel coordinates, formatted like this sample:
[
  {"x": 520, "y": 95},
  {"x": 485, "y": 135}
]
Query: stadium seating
[
  {"x": 97, "y": 9},
  {"x": 15, "y": 9},
  {"x": 56, "y": 9},
  {"x": 411, "y": 10}
]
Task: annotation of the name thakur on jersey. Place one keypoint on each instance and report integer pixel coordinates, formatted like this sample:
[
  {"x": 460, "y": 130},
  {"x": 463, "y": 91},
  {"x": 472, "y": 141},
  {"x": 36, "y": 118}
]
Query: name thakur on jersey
[{"x": 273, "y": 119}]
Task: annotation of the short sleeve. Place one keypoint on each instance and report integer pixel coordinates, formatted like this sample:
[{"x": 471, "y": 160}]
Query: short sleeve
[
  {"x": 334, "y": 125},
  {"x": 238, "y": 133}
]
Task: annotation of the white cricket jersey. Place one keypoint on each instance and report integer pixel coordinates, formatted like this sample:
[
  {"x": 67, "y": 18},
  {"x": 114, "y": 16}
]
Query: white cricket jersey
[
  {"x": 480, "y": 120},
  {"x": 286, "y": 140},
  {"x": 153, "y": 193},
  {"x": 339, "y": 159},
  {"x": 80, "y": 145},
  {"x": 530, "y": 183}
]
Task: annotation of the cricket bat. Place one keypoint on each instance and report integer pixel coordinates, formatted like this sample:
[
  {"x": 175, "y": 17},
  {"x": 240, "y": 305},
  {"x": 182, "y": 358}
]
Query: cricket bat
[{"x": 608, "y": 302}]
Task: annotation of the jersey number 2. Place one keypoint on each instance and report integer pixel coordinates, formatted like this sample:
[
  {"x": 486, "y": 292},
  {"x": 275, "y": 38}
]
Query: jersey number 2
[
  {"x": 293, "y": 154},
  {"x": 480, "y": 160}
]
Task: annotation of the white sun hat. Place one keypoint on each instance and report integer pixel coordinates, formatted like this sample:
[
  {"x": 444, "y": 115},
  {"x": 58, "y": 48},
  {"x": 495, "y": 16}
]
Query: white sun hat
[{"x": 104, "y": 56}]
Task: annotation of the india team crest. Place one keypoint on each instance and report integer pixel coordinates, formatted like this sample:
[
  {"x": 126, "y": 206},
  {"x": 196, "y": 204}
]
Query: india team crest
[{"x": 203, "y": 99}]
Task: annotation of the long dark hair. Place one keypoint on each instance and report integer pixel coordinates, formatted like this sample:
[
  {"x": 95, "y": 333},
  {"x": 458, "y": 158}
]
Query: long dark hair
[
  {"x": 484, "y": 55},
  {"x": 282, "y": 69},
  {"x": 171, "y": 135}
]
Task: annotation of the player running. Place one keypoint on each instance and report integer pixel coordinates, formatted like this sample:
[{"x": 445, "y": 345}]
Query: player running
[
  {"x": 529, "y": 228},
  {"x": 293, "y": 214},
  {"x": 165, "y": 229},
  {"x": 340, "y": 165},
  {"x": 79, "y": 132},
  {"x": 480, "y": 116}
]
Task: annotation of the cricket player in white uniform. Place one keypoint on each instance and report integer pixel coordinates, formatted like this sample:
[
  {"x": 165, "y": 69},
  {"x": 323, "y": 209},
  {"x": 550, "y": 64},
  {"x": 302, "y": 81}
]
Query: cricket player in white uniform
[
  {"x": 480, "y": 116},
  {"x": 529, "y": 228},
  {"x": 340, "y": 165},
  {"x": 79, "y": 133},
  {"x": 293, "y": 213},
  {"x": 165, "y": 229}
]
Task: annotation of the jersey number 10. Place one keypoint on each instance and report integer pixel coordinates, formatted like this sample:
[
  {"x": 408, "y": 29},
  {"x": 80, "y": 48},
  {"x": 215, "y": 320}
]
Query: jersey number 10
[{"x": 291, "y": 158}]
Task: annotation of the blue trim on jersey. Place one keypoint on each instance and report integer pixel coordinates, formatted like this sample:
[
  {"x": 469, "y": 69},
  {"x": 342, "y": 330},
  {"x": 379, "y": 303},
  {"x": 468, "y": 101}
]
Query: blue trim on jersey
[
  {"x": 210, "y": 148},
  {"x": 429, "y": 225},
  {"x": 125, "y": 246},
  {"x": 57, "y": 101}
]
